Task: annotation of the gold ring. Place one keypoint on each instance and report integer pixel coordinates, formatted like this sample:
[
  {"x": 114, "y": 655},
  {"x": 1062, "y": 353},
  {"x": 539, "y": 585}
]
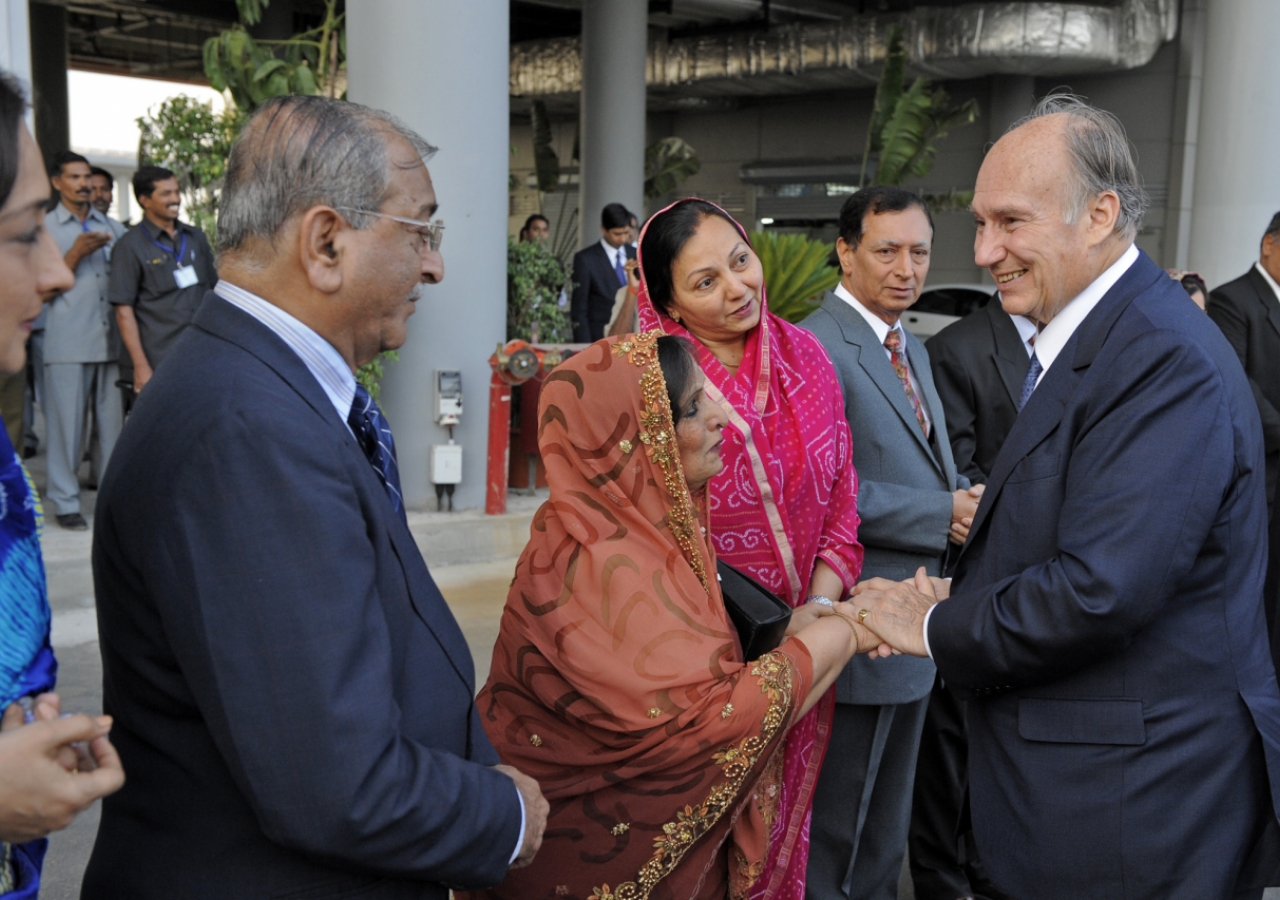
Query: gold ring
[{"x": 862, "y": 615}]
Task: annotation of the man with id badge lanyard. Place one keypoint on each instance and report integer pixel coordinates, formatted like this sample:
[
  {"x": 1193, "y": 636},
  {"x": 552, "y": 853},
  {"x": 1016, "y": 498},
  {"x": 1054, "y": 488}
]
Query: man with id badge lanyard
[
  {"x": 80, "y": 347},
  {"x": 163, "y": 268}
]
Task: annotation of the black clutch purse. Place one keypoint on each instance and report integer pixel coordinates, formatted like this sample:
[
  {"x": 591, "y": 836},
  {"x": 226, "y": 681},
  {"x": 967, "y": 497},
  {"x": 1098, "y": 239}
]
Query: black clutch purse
[{"x": 760, "y": 616}]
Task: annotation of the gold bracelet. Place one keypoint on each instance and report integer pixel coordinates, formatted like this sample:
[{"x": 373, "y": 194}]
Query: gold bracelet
[{"x": 857, "y": 638}]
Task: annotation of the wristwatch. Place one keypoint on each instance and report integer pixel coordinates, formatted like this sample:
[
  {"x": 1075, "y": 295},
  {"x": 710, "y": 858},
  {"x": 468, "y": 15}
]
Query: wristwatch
[{"x": 818, "y": 598}]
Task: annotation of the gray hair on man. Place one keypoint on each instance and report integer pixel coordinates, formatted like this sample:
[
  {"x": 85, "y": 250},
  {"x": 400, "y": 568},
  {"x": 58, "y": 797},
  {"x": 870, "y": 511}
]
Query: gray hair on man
[
  {"x": 1102, "y": 159},
  {"x": 298, "y": 152}
]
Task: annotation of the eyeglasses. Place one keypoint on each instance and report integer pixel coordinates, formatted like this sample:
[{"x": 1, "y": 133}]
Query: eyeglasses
[{"x": 432, "y": 233}]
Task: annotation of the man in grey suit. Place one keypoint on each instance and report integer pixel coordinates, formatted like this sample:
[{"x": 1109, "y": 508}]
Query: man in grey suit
[{"x": 912, "y": 505}]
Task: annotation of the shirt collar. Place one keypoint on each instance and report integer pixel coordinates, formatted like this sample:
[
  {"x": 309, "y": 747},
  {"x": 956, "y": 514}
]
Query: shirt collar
[
  {"x": 154, "y": 231},
  {"x": 1026, "y": 329},
  {"x": 322, "y": 360},
  {"x": 1054, "y": 336},
  {"x": 1275, "y": 288},
  {"x": 64, "y": 215},
  {"x": 878, "y": 325},
  {"x": 611, "y": 252}
]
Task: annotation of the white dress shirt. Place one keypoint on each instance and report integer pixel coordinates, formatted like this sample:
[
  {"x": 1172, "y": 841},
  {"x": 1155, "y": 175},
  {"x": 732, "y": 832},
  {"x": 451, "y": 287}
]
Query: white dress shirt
[
  {"x": 1275, "y": 288},
  {"x": 334, "y": 375},
  {"x": 613, "y": 253},
  {"x": 1027, "y": 331},
  {"x": 1054, "y": 336},
  {"x": 882, "y": 329}
]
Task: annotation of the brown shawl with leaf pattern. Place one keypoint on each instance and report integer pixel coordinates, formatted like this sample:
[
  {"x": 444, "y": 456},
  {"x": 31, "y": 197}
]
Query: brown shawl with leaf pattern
[{"x": 617, "y": 679}]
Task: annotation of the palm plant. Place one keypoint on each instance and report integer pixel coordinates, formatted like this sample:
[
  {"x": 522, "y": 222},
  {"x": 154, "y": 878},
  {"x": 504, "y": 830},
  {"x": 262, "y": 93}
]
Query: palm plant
[
  {"x": 797, "y": 271},
  {"x": 667, "y": 162},
  {"x": 907, "y": 122}
]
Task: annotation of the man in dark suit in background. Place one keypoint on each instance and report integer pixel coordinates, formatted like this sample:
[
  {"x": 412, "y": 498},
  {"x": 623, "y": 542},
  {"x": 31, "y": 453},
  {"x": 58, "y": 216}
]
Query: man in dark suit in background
[
  {"x": 979, "y": 364},
  {"x": 1248, "y": 312},
  {"x": 292, "y": 697},
  {"x": 1105, "y": 623},
  {"x": 598, "y": 271},
  {"x": 912, "y": 506}
]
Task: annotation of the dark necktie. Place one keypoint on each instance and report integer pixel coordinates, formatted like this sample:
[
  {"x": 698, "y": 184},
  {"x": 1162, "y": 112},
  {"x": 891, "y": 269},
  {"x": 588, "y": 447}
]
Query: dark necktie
[
  {"x": 893, "y": 343},
  {"x": 1029, "y": 383},
  {"x": 373, "y": 434},
  {"x": 622, "y": 273}
]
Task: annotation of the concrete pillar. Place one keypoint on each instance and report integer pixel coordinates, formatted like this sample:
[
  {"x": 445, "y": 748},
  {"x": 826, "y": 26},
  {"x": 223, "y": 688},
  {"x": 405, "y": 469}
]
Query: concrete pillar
[
  {"x": 1237, "y": 187},
  {"x": 615, "y": 42},
  {"x": 442, "y": 66},
  {"x": 49, "y": 77},
  {"x": 1186, "y": 135},
  {"x": 15, "y": 40},
  {"x": 1012, "y": 97}
]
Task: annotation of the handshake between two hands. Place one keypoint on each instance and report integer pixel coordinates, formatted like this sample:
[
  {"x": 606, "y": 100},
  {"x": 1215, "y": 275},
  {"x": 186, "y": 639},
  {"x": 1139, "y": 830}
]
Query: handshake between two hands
[{"x": 894, "y": 611}]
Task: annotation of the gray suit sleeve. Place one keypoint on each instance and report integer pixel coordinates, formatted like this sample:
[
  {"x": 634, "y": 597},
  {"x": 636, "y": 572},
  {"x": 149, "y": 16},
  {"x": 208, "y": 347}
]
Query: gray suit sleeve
[{"x": 898, "y": 517}]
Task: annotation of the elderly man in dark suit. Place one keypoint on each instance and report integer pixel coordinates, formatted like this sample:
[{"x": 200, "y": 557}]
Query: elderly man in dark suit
[
  {"x": 912, "y": 506},
  {"x": 1105, "y": 622},
  {"x": 1248, "y": 312},
  {"x": 292, "y": 697},
  {"x": 598, "y": 271}
]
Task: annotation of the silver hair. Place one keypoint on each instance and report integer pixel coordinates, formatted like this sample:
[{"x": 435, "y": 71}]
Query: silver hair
[
  {"x": 1102, "y": 159},
  {"x": 298, "y": 152}
]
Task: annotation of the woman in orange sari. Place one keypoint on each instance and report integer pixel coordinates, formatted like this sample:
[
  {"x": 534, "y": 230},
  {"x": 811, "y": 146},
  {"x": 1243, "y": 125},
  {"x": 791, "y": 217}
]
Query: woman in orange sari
[{"x": 618, "y": 681}]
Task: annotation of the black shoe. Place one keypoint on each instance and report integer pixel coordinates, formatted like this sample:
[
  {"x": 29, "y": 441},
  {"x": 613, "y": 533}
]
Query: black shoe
[
  {"x": 73, "y": 522},
  {"x": 28, "y": 452}
]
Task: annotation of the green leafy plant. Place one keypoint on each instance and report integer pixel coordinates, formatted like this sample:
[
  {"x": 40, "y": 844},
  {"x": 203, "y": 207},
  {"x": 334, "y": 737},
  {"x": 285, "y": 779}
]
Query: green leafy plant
[
  {"x": 907, "y": 122},
  {"x": 253, "y": 71},
  {"x": 534, "y": 280},
  {"x": 545, "y": 162},
  {"x": 667, "y": 162},
  {"x": 193, "y": 140},
  {"x": 370, "y": 374},
  {"x": 797, "y": 271}
]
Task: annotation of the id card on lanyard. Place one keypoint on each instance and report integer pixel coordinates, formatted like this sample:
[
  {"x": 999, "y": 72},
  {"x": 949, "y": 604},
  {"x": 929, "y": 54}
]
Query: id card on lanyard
[{"x": 183, "y": 276}]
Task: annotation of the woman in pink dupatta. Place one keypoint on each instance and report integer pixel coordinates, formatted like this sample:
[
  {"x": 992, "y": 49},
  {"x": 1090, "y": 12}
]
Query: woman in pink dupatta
[{"x": 784, "y": 509}]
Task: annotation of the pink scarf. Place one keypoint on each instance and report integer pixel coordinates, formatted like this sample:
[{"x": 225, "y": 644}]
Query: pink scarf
[{"x": 787, "y": 497}]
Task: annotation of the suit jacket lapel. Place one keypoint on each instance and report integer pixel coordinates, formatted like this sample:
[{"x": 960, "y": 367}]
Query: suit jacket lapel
[
  {"x": 435, "y": 615},
  {"x": 219, "y": 317},
  {"x": 1010, "y": 357},
  {"x": 1266, "y": 297},
  {"x": 1048, "y": 402},
  {"x": 932, "y": 402},
  {"x": 872, "y": 359}
]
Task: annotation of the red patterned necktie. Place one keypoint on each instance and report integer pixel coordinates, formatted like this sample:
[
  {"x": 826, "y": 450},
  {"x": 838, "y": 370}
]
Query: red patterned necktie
[{"x": 893, "y": 343}]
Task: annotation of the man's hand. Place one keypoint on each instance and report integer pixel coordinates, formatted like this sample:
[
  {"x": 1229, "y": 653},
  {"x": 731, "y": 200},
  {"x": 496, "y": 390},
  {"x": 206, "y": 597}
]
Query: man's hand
[
  {"x": 86, "y": 243},
  {"x": 536, "y": 809},
  {"x": 964, "y": 506},
  {"x": 141, "y": 375},
  {"x": 896, "y": 610},
  {"x": 37, "y": 793}
]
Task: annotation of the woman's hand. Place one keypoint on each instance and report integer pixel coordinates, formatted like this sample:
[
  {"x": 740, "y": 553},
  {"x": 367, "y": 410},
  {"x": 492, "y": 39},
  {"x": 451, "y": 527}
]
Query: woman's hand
[
  {"x": 868, "y": 641},
  {"x": 807, "y": 614}
]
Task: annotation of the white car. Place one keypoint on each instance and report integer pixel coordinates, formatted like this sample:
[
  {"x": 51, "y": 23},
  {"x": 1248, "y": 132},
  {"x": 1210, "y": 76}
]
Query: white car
[{"x": 940, "y": 305}]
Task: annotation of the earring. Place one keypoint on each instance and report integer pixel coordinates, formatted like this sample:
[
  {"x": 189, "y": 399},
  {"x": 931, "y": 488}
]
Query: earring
[{"x": 676, "y": 318}]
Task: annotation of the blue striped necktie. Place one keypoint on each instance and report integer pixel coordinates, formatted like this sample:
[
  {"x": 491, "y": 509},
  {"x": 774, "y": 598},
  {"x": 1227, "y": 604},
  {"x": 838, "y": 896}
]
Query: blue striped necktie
[
  {"x": 1029, "y": 383},
  {"x": 373, "y": 433}
]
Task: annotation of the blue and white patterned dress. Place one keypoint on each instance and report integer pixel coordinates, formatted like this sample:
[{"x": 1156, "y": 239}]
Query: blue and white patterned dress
[{"x": 27, "y": 666}]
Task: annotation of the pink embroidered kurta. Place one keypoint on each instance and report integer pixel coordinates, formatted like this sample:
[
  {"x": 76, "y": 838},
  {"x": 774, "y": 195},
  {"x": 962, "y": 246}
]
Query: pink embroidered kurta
[{"x": 786, "y": 498}]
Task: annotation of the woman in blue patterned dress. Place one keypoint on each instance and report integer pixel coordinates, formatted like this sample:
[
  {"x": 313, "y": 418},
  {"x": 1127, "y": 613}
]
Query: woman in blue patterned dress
[{"x": 51, "y": 767}]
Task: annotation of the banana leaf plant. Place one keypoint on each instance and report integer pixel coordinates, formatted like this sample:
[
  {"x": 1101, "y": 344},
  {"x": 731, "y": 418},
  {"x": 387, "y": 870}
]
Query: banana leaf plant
[{"x": 907, "y": 122}]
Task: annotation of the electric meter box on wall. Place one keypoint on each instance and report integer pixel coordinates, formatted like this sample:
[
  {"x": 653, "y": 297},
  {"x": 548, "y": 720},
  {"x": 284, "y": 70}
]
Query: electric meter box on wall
[
  {"x": 448, "y": 397},
  {"x": 446, "y": 464}
]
